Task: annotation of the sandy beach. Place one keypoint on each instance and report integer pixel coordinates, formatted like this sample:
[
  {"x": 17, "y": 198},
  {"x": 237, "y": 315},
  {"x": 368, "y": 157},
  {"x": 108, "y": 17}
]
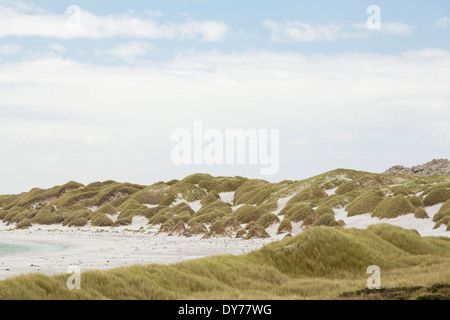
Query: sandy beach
[{"x": 57, "y": 247}]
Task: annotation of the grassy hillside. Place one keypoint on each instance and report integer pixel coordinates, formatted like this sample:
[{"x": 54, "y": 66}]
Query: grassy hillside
[
  {"x": 198, "y": 199},
  {"x": 322, "y": 262}
]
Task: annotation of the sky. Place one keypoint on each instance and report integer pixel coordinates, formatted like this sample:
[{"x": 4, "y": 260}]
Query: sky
[{"x": 94, "y": 90}]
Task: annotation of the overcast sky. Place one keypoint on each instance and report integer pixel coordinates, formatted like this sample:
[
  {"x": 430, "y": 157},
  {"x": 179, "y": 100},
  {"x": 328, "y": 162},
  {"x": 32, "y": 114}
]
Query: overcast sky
[{"x": 96, "y": 95}]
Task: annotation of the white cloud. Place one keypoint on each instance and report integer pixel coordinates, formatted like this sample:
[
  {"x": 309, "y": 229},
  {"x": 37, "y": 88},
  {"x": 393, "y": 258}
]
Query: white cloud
[
  {"x": 296, "y": 31},
  {"x": 88, "y": 25},
  {"x": 7, "y": 49},
  {"x": 127, "y": 52},
  {"x": 442, "y": 22},
  {"x": 115, "y": 122},
  {"x": 57, "y": 47},
  {"x": 396, "y": 28}
]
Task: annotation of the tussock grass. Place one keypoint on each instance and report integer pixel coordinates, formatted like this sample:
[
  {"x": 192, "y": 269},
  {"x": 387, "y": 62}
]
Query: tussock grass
[
  {"x": 47, "y": 216},
  {"x": 210, "y": 198},
  {"x": 167, "y": 213},
  {"x": 324, "y": 209},
  {"x": 309, "y": 193},
  {"x": 365, "y": 203},
  {"x": 101, "y": 220},
  {"x": 436, "y": 196},
  {"x": 24, "y": 224},
  {"x": 393, "y": 207},
  {"x": 285, "y": 226},
  {"x": 253, "y": 192},
  {"x": 326, "y": 219},
  {"x": 415, "y": 201},
  {"x": 210, "y": 212},
  {"x": 248, "y": 213},
  {"x": 197, "y": 177},
  {"x": 297, "y": 212},
  {"x": 224, "y": 184},
  {"x": 321, "y": 263},
  {"x": 267, "y": 220},
  {"x": 420, "y": 213},
  {"x": 257, "y": 231}
]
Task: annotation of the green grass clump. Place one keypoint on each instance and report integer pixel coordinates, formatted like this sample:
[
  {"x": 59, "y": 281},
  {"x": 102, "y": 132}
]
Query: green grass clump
[
  {"x": 24, "y": 224},
  {"x": 107, "y": 208},
  {"x": 150, "y": 212},
  {"x": 324, "y": 210},
  {"x": 116, "y": 203},
  {"x": 223, "y": 184},
  {"x": 37, "y": 195},
  {"x": 101, "y": 220},
  {"x": 248, "y": 213},
  {"x": 340, "y": 201},
  {"x": 125, "y": 221},
  {"x": 210, "y": 198},
  {"x": 402, "y": 190},
  {"x": 441, "y": 214},
  {"x": 257, "y": 231},
  {"x": 75, "y": 216},
  {"x": 270, "y": 206},
  {"x": 310, "y": 193},
  {"x": 168, "y": 199},
  {"x": 443, "y": 221},
  {"x": 80, "y": 222},
  {"x": 326, "y": 220},
  {"x": 197, "y": 177},
  {"x": 267, "y": 220},
  {"x": 188, "y": 191},
  {"x": 420, "y": 213},
  {"x": 445, "y": 207},
  {"x": 167, "y": 213},
  {"x": 47, "y": 216},
  {"x": 436, "y": 196},
  {"x": 365, "y": 203},
  {"x": 285, "y": 226},
  {"x": 210, "y": 212},
  {"x": 297, "y": 212},
  {"x": 415, "y": 201},
  {"x": 253, "y": 192},
  {"x": 152, "y": 195},
  {"x": 7, "y": 201},
  {"x": 393, "y": 207}
]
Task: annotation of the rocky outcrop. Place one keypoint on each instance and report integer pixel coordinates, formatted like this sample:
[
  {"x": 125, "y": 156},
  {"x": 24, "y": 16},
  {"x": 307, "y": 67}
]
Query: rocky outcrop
[{"x": 437, "y": 166}]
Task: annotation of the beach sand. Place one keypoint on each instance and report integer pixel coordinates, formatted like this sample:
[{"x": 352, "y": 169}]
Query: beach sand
[{"x": 57, "y": 247}]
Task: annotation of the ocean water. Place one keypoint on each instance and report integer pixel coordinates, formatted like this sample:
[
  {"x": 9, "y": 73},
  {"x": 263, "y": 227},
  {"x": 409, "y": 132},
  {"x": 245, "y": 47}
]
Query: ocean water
[{"x": 8, "y": 249}]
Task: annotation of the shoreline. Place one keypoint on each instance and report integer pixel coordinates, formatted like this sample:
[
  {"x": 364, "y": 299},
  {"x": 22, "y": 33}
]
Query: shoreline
[{"x": 105, "y": 248}]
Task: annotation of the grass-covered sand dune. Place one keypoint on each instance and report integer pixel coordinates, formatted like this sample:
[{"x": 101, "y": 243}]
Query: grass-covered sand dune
[
  {"x": 320, "y": 263},
  {"x": 230, "y": 202},
  {"x": 324, "y": 260}
]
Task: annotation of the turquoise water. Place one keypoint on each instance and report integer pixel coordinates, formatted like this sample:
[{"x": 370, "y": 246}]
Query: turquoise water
[{"x": 7, "y": 249}]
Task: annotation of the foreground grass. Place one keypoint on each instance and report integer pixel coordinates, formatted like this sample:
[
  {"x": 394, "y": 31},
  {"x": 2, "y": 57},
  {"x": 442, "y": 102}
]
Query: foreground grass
[{"x": 321, "y": 263}]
